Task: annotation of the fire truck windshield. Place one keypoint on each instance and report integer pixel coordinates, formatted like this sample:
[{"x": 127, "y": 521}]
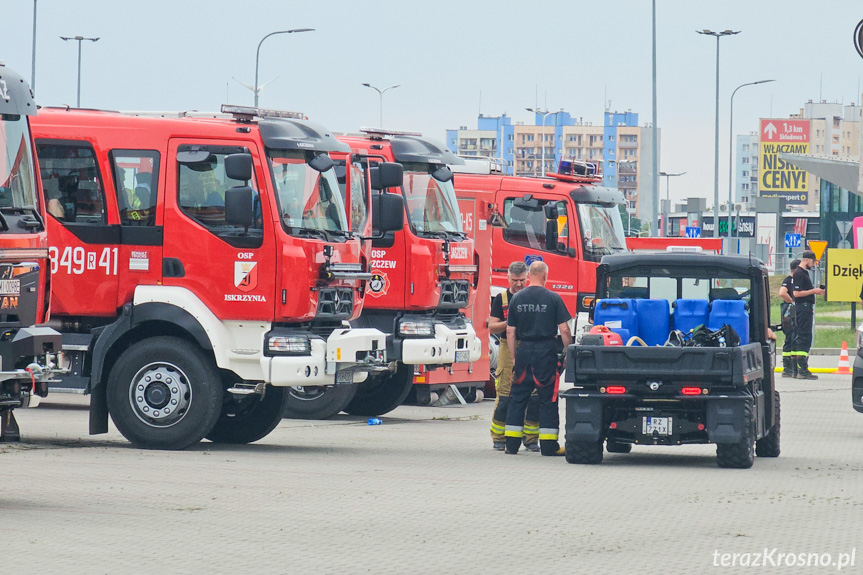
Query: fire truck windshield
[
  {"x": 602, "y": 230},
  {"x": 308, "y": 200},
  {"x": 431, "y": 204},
  {"x": 17, "y": 187}
]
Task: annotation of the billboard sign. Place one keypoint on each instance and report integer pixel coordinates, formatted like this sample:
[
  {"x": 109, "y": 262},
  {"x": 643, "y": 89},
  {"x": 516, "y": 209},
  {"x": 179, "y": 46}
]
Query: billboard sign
[
  {"x": 844, "y": 275},
  {"x": 778, "y": 178},
  {"x": 766, "y": 234}
]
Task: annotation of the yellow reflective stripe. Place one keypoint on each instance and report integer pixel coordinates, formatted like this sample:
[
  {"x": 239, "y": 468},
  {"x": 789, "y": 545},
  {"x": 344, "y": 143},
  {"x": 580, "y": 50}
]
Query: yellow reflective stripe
[
  {"x": 495, "y": 428},
  {"x": 531, "y": 429},
  {"x": 514, "y": 431},
  {"x": 787, "y": 353},
  {"x": 548, "y": 436},
  {"x": 800, "y": 353}
]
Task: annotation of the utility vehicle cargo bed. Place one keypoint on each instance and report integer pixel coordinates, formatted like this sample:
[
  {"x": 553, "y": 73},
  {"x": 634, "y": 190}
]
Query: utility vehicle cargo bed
[{"x": 594, "y": 364}]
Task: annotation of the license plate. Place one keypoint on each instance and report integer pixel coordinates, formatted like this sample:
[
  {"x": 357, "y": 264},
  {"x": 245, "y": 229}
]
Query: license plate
[
  {"x": 344, "y": 376},
  {"x": 658, "y": 425},
  {"x": 462, "y": 356},
  {"x": 10, "y": 287}
]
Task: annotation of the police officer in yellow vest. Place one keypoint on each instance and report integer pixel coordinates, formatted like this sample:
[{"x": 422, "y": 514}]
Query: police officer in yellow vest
[{"x": 517, "y": 276}]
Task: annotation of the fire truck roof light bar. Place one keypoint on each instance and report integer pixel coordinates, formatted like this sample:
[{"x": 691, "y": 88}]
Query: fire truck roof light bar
[
  {"x": 379, "y": 133},
  {"x": 251, "y": 112}
]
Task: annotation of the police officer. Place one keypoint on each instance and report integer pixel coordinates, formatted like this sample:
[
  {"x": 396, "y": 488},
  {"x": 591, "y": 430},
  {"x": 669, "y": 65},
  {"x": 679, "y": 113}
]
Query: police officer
[
  {"x": 804, "y": 294},
  {"x": 786, "y": 317},
  {"x": 517, "y": 277},
  {"x": 535, "y": 316}
]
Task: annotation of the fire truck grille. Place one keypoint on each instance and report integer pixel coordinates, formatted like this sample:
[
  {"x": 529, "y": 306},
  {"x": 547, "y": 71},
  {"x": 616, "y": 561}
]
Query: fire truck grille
[
  {"x": 454, "y": 294},
  {"x": 335, "y": 302}
]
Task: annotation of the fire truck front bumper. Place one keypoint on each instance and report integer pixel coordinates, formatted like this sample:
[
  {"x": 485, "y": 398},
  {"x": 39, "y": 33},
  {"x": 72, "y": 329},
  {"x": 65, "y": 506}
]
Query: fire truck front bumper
[
  {"x": 449, "y": 345},
  {"x": 345, "y": 357}
]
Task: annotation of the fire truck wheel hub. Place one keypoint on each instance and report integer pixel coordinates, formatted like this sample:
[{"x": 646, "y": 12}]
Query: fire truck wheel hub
[{"x": 160, "y": 394}]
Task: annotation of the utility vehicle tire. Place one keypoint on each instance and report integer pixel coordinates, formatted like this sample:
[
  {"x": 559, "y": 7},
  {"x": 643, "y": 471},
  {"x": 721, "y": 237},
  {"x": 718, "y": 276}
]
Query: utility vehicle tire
[
  {"x": 164, "y": 393},
  {"x": 739, "y": 455},
  {"x": 249, "y": 418},
  {"x": 768, "y": 446},
  {"x": 586, "y": 452},
  {"x": 318, "y": 402},
  {"x": 382, "y": 393},
  {"x": 616, "y": 447}
]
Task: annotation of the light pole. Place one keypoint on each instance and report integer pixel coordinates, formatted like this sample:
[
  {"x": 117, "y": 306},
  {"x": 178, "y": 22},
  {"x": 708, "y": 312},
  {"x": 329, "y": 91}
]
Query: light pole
[
  {"x": 258, "y": 54},
  {"x": 731, "y": 150},
  {"x": 79, "y": 39},
  {"x": 716, "y": 146},
  {"x": 381, "y": 99},
  {"x": 542, "y": 139},
  {"x": 33, "y": 63},
  {"x": 668, "y": 176}
]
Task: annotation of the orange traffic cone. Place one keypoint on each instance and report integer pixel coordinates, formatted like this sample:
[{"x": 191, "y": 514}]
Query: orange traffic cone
[{"x": 844, "y": 364}]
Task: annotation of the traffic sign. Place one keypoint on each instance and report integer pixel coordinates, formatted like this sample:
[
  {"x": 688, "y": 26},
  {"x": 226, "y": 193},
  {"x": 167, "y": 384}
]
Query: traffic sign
[
  {"x": 792, "y": 240},
  {"x": 818, "y": 247},
  {"x": 693, "y": 232}
]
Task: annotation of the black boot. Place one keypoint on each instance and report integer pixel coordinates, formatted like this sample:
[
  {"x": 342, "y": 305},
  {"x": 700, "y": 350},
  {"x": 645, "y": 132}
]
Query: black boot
[
  {"x": 803, "y": 368},
  {"x": 788, "y": 367}
]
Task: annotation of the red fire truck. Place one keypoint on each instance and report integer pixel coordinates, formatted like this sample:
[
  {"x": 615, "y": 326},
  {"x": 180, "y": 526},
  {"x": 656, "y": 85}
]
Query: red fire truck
[
  {"x": 568, "y": 221},
  {"x": 27, "y": 353},
  {"x": 202, "y": 266},
  {"x": 423, "y": 275}
]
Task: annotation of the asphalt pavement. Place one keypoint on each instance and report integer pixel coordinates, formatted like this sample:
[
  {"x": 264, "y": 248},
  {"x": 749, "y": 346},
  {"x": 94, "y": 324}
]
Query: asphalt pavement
[{"x": 425, "y": 493}]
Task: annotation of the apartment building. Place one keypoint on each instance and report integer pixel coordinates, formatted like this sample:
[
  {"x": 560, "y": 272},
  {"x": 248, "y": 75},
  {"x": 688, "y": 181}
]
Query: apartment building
[{"x": 616, "y": 147}]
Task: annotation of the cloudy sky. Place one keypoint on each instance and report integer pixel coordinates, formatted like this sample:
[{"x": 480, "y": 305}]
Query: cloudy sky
[{"x": 452, "y": 59}]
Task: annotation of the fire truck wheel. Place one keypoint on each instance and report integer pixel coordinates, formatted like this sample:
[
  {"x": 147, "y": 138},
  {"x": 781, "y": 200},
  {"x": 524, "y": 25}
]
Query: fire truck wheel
[
  {"x": 318, "y": 402},
  {"x": 249, "y": 418},
  {"x": 383, "y": 393},
  {"x": 164, "y": 393}
]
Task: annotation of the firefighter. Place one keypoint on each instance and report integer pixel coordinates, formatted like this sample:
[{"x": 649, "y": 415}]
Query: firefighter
[
  {"x": 517, "y": 277},
  {"x": 786, "y": 315},
  {"x": 535, "y": 316},
  {"x": 804, "y": 294}
]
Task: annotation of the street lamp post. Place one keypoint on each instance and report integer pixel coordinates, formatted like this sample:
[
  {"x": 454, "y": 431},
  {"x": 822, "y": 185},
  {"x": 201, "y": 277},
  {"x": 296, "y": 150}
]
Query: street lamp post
[
  {"x": 258, "y": 54},
  {"x": 718, "y": 35},
  {"x": 381, "y": 99},
  {"x": 79, "y": 39},
  {"x": 668, "y": 177},
  {"x": 33, "y": 63},
  {"x": 542, "y": 139},
  {"x": 731, "y": 151}
]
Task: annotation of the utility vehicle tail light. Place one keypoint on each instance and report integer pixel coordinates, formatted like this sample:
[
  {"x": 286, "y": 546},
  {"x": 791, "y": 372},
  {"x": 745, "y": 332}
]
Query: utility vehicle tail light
[
  {"x": 691, "y": 391},
  {"x": 615, "y": 389}
]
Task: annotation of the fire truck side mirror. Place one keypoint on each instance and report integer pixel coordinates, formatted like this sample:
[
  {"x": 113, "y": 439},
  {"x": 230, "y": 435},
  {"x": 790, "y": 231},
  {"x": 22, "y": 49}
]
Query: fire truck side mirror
[
  {"x": 239, "y": 167},
  {"x": 551, "y": 235},
  {"x": 321, "y": 163},
  {"x": 239, "y": 206},
  {"x": 386, "y": 175},
  {"x": 388, "y": 212},
  {"x": 442, "y": 174}
]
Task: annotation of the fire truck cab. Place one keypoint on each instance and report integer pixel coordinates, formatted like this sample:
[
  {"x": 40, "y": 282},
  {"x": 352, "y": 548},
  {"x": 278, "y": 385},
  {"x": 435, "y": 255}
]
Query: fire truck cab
[
  {"x": 423, "y": 275},
  {"x": 28, "y": 353},
  {"x": 567, "y": 221},
  {"x": 202, "y": 266}
]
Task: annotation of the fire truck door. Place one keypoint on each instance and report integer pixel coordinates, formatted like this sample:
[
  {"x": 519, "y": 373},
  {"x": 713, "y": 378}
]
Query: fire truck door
[
  {"x": 229, "y": 268},
  {"x": 82, "y": 231},
  {"x": 524, "y": 238},
  {"x": 137, "y": 187}
]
